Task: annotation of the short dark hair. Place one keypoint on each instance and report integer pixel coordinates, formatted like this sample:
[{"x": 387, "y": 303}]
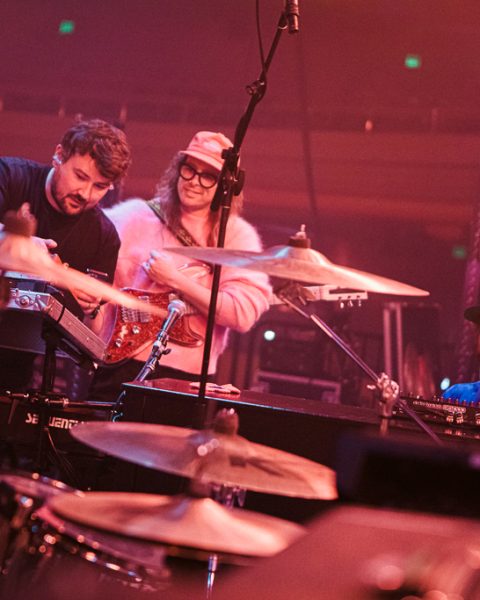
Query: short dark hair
[{"x": 106, "y": 144}]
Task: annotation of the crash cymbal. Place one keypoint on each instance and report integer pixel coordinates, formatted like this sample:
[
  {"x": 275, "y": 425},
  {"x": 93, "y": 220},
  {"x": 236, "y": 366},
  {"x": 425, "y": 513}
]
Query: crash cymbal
[
  {"x": 18, "y": 252},
  {"x": 210, "y": 456},
  {"x": 180, "y": 520},
  {"x": 300, "y": 264}
]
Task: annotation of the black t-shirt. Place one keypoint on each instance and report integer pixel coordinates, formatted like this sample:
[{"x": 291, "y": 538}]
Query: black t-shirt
[
  {"x": 86, "y": 241},
  {"x": 89, "y": 240}
]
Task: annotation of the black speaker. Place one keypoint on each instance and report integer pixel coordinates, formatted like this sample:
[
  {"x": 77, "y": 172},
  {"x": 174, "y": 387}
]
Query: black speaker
[{"x": 414, "y": 475}]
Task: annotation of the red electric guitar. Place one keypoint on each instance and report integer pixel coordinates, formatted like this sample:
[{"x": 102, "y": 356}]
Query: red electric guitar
[{"x": 135, "y": 330}]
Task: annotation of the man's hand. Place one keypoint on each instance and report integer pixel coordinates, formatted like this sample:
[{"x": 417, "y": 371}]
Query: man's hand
[
  {"x": 89, "y": 304},
  {"x": 44, "y": 244}
]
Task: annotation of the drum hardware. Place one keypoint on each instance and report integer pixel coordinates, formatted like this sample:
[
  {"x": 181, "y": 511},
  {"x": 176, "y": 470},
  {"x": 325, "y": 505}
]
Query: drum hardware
[
  {"x": 314, "y": 293},
  {"x": 294, "y": 262},
  {"x": 187, "y": 526},
  {"x": 62, "y": 558},
  {"x": 227, "y": 496},
  {"x": 20, "y": 495},
  {"x": 220, "y": 462},
  {"x": 388, "y": 388},
  {"x": 298, "y": 262}
]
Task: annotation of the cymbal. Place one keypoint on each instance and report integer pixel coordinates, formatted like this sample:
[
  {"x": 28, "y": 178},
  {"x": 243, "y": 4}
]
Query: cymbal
[
  {"x": 21, "y": 253},
  {"x": 34, "y": 485},
  {"x": 210, "y": 456},
  {"x": 300, "y": 264},
  {"x": 183, "y": 521}
]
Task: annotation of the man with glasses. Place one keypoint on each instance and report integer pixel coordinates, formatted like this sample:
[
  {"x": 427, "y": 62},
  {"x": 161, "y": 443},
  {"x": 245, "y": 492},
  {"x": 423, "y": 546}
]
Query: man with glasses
[
  {"x": 180, "y": 215},
  {"x": 90, "y": 159}
]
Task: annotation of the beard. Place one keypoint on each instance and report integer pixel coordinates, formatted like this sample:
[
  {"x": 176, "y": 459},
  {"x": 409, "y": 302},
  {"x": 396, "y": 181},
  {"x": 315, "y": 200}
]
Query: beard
[{"x": 68, "y": 204}]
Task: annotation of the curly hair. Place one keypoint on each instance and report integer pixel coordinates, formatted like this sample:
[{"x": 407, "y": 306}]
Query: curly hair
[
  {"x": 106, "y": 144},
  {"x": 166, "y": 195}
]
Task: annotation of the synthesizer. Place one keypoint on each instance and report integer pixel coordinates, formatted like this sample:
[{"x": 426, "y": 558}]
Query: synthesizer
[
  {"x": 442, "y": 410},
  {"x": 52, "y": 310}
]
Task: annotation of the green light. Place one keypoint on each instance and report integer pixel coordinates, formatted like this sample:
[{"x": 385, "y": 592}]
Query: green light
[
  {"x": 66, "y": 27},
  {"x": 413, "y": 61},
  {"x": 459, "y": 252}
]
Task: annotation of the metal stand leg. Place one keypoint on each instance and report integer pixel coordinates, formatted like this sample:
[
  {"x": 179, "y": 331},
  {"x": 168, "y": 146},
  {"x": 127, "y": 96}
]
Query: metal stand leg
[{"x": 212, "y": 570}]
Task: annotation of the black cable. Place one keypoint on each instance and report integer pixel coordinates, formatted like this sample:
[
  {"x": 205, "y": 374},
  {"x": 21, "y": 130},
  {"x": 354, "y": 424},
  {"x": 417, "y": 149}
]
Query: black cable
[{"x": 259, "y": 36}]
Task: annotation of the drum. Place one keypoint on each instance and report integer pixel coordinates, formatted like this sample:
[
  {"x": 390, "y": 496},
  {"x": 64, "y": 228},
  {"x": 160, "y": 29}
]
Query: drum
[
  {"x": 20, "y": 495},
  {"x": 66, "y": 560}
]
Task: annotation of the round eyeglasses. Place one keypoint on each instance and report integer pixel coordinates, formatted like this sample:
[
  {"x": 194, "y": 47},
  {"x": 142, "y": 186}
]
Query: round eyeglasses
[{"x": 206, "y": 180}]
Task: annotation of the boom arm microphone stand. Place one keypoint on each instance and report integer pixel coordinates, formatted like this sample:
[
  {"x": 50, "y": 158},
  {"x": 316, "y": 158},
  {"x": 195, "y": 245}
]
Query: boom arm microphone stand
[{"x": 230, "y": 184}]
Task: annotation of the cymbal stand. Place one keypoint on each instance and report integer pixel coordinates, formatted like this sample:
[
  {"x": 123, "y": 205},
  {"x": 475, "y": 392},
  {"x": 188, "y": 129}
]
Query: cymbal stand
[
  {"x": 212, "y": 571},
  {"x": 225, "y": 421},
  {"x": 227, "y": 496},
  {"x": 389, "y": 389}
]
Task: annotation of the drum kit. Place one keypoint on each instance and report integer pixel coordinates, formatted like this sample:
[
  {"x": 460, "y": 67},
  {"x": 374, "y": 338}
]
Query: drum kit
[{"x": 56, "y": 540}]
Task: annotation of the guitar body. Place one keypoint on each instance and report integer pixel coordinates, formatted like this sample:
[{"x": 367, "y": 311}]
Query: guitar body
[{"x": 135, "y": 330}]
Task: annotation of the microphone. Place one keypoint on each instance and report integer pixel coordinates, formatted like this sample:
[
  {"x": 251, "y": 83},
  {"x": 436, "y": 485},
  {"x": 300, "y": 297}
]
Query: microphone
[
  {"x": 176, "y": 309},
  {"x": 292, "y": 14}
]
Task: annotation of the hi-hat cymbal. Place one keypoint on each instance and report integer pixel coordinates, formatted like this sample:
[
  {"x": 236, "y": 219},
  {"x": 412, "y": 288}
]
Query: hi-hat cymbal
[
  {"x": 181, "y": 521},
  {"x": 300, "y": 264},
  {"x": 210, "y": 456},
  {"x": 20, "y": 253}
]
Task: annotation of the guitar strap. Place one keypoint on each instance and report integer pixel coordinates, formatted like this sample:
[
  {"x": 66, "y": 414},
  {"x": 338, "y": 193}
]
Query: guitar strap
[{"x": 182, "y": 234}]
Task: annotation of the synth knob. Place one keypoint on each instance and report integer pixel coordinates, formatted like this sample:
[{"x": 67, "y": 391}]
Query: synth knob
[{"x": 24, "y": 301}]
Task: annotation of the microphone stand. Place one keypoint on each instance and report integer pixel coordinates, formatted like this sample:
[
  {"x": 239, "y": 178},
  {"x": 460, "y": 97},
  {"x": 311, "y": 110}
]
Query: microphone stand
[
  {"x": 390, "y": 391},
  {"x": 230, "y": 183},
  {"x": 158, "y": 350},
  {"x": 176, "y": 310}
]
